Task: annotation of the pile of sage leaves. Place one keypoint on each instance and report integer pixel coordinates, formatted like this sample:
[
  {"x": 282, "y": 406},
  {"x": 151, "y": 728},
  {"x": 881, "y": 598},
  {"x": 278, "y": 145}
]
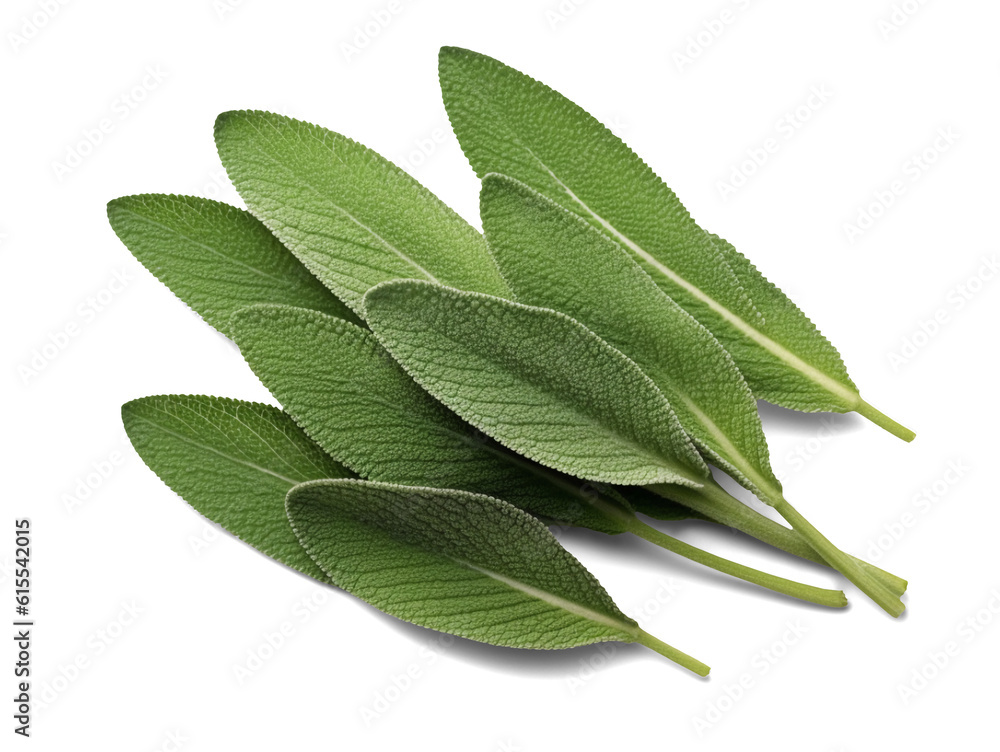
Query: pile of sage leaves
[{"x": 447, "y": 395}]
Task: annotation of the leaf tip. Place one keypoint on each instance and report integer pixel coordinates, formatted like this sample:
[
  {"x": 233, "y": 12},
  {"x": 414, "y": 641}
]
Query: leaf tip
[
  {"x": 116, "y": 209},
  {"x": 224, "y": 118},
  {"x": 448, "y": 52},
  {"x": 127, "y": 409},
  {"x": 226, "y": 123},
  {"x": 129, "y": 413}
]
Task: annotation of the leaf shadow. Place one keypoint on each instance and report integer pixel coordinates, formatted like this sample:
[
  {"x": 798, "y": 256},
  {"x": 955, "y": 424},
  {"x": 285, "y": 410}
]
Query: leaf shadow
[
  {"x": 551, "y": 664},
  {"x": 807, "y": 424},
  {"x": 657, "y": 562},
  {"x": 582, "y": 662},
  {"x": 542, "y": 664}
]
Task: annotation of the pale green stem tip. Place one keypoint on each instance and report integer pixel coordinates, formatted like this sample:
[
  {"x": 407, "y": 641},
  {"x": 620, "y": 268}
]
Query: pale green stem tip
[
  {"x": 884, "y": 421},
  {"x": 681, "y": 659}
]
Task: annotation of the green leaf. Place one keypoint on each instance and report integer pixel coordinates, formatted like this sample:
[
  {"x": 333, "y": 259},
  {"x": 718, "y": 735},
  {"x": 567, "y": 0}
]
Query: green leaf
[
  {"x": 215, "y": 257},
  {"x": 553, "y": 259},
  {"x": 804, "y": 367},
  {"x": 345, "y": 390},
  {"x": 353, "y": 218},
  {"x": 537, "y": 381},
  {"x": 232, "y": 461},
  {"x": 645, "y": 501},
  {"x": 460, "y": 563},
  {"x": 357, "y": 403},
  {"x": 508, "y": 123}
]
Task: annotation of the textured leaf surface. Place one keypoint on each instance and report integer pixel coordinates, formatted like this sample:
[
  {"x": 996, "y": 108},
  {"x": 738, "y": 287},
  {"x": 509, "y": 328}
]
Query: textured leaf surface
[
  {"x": 350, "y": 396},
  {"x": 215, "y": 257},
  {"x": 234, "y": 462},
  {"x": 553, "y": 259},
  {"x": 790, "y": 329},
  {"x": 511, "y": 124},
  {"x": 352, "y": 217},
  {"x": 644, "y": 501},
  {"x": 537, "y": 381},
  {"x": 461, "y": 563}
]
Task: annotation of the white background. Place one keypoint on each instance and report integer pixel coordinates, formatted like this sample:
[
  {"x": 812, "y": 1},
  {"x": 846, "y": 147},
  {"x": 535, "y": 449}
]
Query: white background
[{"x": 167, "y": 679}]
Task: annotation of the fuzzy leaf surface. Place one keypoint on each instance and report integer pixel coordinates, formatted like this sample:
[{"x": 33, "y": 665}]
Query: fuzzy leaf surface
[
  {"x": 537, "y": 381},
  {"x": 215, "y": 257},
  {"x": 553, "y": 259},
  {"x": 823, "y": 383},
  {"x": 234, "y": 462},
  {"x": 460, "y": 563},
  {"x": 356, "y": 402},
  {"x": 351, "y": 216},
  {"x": 511, "y": 124}
]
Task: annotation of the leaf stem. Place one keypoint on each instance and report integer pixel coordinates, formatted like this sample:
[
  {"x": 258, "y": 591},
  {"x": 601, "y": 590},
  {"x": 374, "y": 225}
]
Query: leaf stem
[
  {"x": 846, "y": 565},
  {"x": 809, "y": 593},
  {"x": 668, "y": 651},
  {"x": 715, "y": 502},
  {"x": 882, "y": 420}
]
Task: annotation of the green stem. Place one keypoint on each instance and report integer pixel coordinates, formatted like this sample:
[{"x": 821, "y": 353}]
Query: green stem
[
  {"x": 820, "y": 596},
  {"x": 840, "y": 561},
  {"x": 682, "y": 659},
  {"x": 884, "y": 421},
  {"x": 714, "y": 502}
]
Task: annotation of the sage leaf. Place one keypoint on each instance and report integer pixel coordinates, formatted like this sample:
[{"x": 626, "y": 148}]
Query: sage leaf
[
  {"x": 352, "y": 217},
  {"x": 659, "y": 507},
  {"x": 719, "y": 506},
  {"x": 547, "y": 387},
  {"x": 234, "y": 462},
  {"x": 460, "y": 563},
  {"x": 511, "y": 124},
  {"x": 215, "y": 257},
  {"x": 349, "y": 395},
  {"x": 357, "y": 403},
  {"x": 537, "y": 381},
  {"x": 553, "y": 259}
]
